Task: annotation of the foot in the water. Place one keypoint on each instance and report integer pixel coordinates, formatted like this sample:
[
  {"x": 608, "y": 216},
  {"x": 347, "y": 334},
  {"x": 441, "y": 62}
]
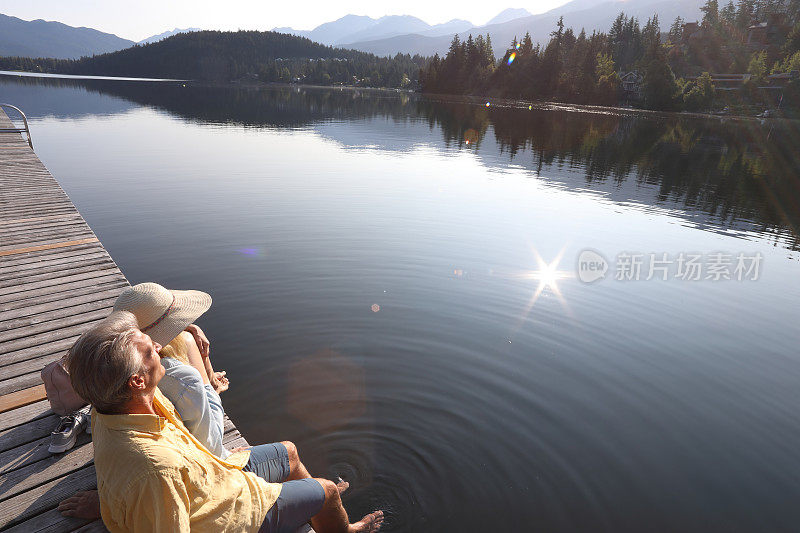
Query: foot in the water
[
  {"x": 342, "y": 485},
  {"x": 369, "y": 524},
  {"x": 84, "y": 504}
]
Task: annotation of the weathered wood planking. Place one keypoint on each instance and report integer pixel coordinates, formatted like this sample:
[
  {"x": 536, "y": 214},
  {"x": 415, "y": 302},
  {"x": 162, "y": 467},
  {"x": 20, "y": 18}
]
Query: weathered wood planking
[{"x": 56, "y": 281}]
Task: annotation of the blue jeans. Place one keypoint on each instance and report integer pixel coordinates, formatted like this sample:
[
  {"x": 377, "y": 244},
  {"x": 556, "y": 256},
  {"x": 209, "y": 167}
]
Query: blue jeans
[{"x": 298, "y": 501}]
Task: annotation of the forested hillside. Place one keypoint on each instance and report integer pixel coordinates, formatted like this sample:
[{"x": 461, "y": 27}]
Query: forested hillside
[
  {"x": 227, "y": 56},
  {"x": 662, "y": 69}
]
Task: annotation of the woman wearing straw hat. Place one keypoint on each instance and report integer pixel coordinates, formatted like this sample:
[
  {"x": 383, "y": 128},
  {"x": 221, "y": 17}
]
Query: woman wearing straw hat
[{"x": 190, "y": 383}]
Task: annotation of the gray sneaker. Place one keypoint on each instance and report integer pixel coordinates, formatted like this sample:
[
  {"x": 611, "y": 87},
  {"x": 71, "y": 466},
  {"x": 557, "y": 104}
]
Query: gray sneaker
[{"x": 70, "y": 426}]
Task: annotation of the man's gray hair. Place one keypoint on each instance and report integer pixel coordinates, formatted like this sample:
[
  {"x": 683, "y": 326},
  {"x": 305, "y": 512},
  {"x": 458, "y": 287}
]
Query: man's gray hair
[{"x": 103, "y": 359}]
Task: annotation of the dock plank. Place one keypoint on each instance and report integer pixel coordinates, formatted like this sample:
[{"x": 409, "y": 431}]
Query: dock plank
[
  {"x": 68, "y": 300},
  {"x": 60, "y": 345},
  {"x": 27, "y": 385},
  {"x": 41, "y": 321},
  {"x": 20, "y": 398},
  {"x": 53, "y": 292},
  {"x": 33, "y": 430},
  {"x": 55, "y": 274},
  {"x": 53, "y": 466},
  {"x": 23, "y": 414},
  {"x": 22, "y": 290},
  {"x": 45, "y": 497},
  {"x": 32, "y": 452},
  {"x": 51, "y": 521},
  {"x": 43, "y": 244},
  {"x": 57, "y": 257}
]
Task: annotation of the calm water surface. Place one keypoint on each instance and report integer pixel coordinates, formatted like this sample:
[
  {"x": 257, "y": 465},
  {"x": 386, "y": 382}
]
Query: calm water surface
[{"x": 377, "y": 297}]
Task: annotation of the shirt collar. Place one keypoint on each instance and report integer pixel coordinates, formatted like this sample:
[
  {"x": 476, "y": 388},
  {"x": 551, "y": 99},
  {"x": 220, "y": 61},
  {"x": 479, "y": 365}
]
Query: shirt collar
[
  {"x": 140, "y": 422},
  {"x": 146, "y": 423}
]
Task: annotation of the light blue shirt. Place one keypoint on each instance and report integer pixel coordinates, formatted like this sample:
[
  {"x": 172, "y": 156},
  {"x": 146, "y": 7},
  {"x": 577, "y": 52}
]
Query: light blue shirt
[{"x": 198, "y": 404}]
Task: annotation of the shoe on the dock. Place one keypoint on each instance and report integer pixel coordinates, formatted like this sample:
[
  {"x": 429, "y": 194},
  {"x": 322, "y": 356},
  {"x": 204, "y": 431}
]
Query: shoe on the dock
[{"x": 64, "y": 436}]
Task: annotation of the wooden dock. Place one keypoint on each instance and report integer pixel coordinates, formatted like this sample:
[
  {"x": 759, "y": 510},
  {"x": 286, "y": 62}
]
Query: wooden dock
[{"x": 56, "y": 281}]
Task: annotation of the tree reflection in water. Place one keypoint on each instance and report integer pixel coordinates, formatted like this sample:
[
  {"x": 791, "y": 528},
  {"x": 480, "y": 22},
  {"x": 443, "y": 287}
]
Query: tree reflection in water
[{"x": 720, "y": 174}]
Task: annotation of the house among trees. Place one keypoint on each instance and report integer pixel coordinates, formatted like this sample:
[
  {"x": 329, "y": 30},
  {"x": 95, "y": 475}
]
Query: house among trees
[
  {"x": 782, "y": 79},
  {"x": 773, "y": 32},
  {"x": 631, "y": 83},
  {"x": 727, "y": 82},
  {"x": 689, "y": 29}
]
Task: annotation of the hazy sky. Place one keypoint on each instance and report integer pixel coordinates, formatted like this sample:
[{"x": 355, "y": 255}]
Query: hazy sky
[{"x": 137, "y": 19}]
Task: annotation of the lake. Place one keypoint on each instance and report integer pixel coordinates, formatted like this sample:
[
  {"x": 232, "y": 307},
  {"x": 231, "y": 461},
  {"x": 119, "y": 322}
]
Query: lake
[{"x": 486, "y": 318}]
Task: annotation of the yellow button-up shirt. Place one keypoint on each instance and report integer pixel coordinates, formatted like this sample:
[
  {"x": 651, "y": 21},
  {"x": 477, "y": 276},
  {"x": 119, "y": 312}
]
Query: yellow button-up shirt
[{"x": 153, "y": 475}]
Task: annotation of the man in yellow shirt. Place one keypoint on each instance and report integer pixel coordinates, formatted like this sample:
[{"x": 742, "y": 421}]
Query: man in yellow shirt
[{"x": 153, "y": 475}]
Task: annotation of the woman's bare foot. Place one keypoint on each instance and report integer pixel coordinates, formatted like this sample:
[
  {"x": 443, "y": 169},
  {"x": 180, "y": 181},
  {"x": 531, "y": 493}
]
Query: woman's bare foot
[
  {"x": 84, "y": 504},
  {"x": 342, "y": 485},
  {"x": 369, "y": 524}
]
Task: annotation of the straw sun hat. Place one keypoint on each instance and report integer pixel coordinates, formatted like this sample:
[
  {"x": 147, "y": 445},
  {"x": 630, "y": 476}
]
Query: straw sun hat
[{"x": 160, "y": 312}]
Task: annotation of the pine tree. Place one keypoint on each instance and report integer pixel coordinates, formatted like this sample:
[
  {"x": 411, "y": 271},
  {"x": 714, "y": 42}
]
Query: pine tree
[
  {"x": 557, "y": 34},
  {"x": 489, "y": 59},
  {"x": 728, "y": 14},
  {"x": 676, "y": 31},
  {"x": 651, "y": 36},
  {"x": 744, "y": 14},
  {"x": 710, "y": 13},
  {"x": 658, "y": 86},
  {"x": 527, "y": 43}
]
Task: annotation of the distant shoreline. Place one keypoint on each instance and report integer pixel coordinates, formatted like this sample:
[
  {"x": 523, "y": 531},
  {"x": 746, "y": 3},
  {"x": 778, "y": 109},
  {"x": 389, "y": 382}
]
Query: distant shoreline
[
  {"x": 456, "y": 98},
  {"x": 586, "y": 108},
  {"x": 24, "y": 74}
]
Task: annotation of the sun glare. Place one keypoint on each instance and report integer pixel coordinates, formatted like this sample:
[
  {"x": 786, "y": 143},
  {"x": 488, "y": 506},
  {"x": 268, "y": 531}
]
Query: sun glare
[{"x": 548, "y": 275}]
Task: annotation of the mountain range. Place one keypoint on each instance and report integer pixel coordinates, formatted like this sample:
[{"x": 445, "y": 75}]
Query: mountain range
[
  {"x": 162, "y": 36},
  {"x": 358, "y": 28},
  {"x": 384, "y": 36},
  {"x": 361, "y": 33},
  {"x": 41, "y": 38},
  {"x": 507, "y": 15}
]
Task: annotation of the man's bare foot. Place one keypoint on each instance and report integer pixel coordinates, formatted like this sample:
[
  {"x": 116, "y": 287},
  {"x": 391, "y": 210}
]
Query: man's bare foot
[
  {"x": 369, "y": 524},
  {"x": 84, "y": 504},
  {"x": 342, "y": 485}
]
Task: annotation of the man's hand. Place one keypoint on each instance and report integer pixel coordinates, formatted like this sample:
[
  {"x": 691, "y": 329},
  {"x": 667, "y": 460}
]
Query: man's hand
[
  {"x": 200, "y": 339},
  {"x": 84, "y": 504}
]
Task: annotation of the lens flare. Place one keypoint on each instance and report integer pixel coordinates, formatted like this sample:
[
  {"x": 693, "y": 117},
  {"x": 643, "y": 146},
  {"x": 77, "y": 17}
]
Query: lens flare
[
  {"x": 512, "y": 57},
  {"x": 252, "y": 252},
  {"x": 487, "y": 104}
]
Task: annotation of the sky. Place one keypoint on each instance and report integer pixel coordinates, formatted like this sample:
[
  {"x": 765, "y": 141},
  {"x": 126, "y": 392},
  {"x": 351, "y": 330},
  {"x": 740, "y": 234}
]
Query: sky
[{"x": 138, "y": 19}]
